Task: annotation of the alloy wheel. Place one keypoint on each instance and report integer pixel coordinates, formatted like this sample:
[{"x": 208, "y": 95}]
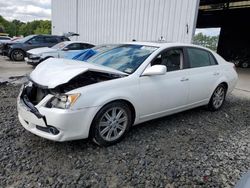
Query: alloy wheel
[
  {"x": 113, "y": 124},
  {"x": 218, "y": 97}
]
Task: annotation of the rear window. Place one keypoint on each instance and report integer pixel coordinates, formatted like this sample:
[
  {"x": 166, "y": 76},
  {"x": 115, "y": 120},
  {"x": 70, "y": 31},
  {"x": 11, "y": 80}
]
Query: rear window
[
  {"x": 50, "y": 40},
  {"x": 64, "y": 39},
  {"x": 200, "y": 58}
]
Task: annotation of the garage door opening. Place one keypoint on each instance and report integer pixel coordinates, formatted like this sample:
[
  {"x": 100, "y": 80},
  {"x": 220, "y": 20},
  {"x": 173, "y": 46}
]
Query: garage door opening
[
  {"x": 207, "y": 37},
  {"x": 232, "y": 17}
]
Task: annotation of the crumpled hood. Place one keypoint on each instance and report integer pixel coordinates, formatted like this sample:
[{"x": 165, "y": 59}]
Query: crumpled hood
[
  {"x": 54, "y": 72},
  {"x": 37, "y": 51}
]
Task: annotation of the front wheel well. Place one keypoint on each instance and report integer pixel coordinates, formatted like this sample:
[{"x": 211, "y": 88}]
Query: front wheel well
[{"x": 131, "y": 107}]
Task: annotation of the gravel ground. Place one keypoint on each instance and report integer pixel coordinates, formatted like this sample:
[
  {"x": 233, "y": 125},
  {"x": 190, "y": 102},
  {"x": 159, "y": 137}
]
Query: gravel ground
[{"x": 196, "y": 148}]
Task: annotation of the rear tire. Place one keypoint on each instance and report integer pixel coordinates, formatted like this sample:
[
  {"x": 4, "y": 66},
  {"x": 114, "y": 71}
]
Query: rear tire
[
  {"x": 111, "y": 124},
  {"x": 218, "y": 98},
  {"x": 244, "y": 65}
]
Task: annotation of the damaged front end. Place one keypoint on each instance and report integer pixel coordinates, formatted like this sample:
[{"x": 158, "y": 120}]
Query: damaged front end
[
  {"x": 45, "y": 102},
  {"x": 33, "y": 94},
  {"x": 36, "y": 92}
]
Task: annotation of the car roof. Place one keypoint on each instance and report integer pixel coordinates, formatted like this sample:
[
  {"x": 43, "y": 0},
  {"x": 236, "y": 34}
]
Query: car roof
[
  {"x": 164, "y": 44},
  {"x": 70, "y": 42}
]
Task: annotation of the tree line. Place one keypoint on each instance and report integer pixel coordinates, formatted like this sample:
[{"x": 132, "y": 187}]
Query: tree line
[
  {"x": 18, "y": 28},
  {"x": 206, "y": 41}
]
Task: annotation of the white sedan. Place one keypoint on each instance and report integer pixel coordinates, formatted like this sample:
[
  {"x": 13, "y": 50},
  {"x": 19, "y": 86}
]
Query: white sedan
[
  {"x": 60, "y": 50},
  {"x": 123, "y": 86}
]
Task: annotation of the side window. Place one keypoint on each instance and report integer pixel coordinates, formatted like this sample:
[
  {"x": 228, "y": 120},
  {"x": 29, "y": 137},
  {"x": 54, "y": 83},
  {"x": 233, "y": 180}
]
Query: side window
[
  {"x": 50, "y": 40},
  {"x": 212, "y": 59},
  {"x": 63, "y": 39},
  {"x": 74, "y": 46},
  {"x": 37, "y": 40},
  {"x": 84, "y": 46},
  {"x": 198, "y": 58},
  {"x": 172, "y": 59}
]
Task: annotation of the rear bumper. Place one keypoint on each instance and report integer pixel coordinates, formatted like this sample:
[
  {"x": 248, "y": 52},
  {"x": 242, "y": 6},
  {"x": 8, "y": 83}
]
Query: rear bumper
[{"x": 71, "y": 124}]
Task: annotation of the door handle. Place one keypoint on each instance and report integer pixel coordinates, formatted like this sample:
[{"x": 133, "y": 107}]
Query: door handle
[
  {"x": 216, "y": 73},
  {"x": 184, "y": 79}
]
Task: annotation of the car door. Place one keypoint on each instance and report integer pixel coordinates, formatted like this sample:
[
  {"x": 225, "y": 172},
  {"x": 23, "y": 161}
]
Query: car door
[
  {"x": 50, "y": 41},
  {"x": 35, "y": 42},
  {"x": 203, "y": 73},
  {"x": 74, "y": 47},
  {"x": 163, "y": 94}
]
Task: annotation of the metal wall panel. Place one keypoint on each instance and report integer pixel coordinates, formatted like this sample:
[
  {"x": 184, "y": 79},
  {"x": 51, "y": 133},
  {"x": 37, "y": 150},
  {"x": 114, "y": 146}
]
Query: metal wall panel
[
  {"x": 64, "y": 16},
  {"x": 108, "y": 21}
]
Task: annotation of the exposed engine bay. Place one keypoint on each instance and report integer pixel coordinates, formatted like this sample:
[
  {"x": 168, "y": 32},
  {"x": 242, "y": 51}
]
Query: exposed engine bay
[{"x": 36, "y": 93}]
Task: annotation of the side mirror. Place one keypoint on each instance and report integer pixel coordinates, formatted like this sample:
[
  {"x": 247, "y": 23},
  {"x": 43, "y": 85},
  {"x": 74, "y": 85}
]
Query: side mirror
[
  {"x": 155, "y": 70},
  {"x": 65, "y": 49},
  {"x": 29, "y": 42}
]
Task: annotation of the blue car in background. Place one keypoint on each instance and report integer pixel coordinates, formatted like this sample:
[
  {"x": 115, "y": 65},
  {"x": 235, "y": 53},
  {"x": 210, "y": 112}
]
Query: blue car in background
[{"x": 84, "y": 55}]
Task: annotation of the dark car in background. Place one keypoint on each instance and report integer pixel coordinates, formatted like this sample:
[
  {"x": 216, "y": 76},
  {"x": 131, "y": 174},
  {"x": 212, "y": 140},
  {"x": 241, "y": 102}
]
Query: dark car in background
[{"x": 16, "y": 50}]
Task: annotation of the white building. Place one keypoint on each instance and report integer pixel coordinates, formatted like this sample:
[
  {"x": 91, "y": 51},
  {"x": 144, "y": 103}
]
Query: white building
[{"x": 110, "y": 21}]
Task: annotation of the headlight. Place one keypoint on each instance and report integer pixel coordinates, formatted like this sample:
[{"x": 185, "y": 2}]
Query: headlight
[
  {"x": 34, "y": 55},
  {"x": 63, "y": 101}
]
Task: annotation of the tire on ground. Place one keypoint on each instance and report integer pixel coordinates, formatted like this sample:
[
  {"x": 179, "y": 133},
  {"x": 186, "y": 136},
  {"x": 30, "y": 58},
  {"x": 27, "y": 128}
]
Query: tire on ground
[{"x": 95, "y": 131}]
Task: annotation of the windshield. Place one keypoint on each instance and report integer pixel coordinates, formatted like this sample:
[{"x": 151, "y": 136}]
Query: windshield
[
  {"x": 59, "y": 46},
  {"x": 25, "y": 38},
  {"x": 125, "y": 58}
]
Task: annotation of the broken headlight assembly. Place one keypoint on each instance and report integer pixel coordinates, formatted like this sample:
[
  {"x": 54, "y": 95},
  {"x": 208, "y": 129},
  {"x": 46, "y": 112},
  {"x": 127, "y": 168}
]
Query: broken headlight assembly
[{"x": 62, "y": 101}]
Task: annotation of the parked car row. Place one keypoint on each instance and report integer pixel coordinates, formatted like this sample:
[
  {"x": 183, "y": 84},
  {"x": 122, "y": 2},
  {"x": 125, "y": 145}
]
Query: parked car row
[
  {"x": 60, "y": 50},
  {"x": 37, "y": 48}
]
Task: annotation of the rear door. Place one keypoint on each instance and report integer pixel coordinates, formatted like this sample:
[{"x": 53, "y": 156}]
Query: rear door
[
  {"x": 50, "y": 41},
  {"x": 203, "y": 73}
]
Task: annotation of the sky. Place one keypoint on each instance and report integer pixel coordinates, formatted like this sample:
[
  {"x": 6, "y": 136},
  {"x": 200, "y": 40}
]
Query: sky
[
  {"x": 209, "y": 31},
  {"x": 25, "y": 10},
  {"x": 29, "y": 10}
]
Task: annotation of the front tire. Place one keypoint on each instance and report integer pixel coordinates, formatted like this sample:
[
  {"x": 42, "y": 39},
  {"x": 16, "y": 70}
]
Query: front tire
[
  {"x": 111, "y": 124},
  {"x": 218, "y": 98},
  {"x": 17, "y": 55}
]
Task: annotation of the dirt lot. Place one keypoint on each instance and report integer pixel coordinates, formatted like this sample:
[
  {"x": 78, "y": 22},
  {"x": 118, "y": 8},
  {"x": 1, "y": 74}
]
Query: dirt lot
[
  {"x": 12, "y": 69},
  {"x": 196, "y": 148}
]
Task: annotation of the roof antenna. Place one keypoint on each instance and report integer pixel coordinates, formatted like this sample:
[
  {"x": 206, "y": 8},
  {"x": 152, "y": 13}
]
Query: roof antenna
[{"x": 162, "y": 38}]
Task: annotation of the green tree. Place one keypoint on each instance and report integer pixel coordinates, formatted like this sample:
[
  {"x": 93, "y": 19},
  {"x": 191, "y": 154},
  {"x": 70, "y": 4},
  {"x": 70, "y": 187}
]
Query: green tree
[
  {"x": 16, "y": 27},
  {"x": 2, "y": 30},
  {"x": 44, "y": 27},
  {"x": 210, "y": 42}
]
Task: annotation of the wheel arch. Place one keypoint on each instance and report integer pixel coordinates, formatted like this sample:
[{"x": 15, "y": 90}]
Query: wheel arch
[
  {"x": 18, "y": 49},
  {"x": 131, "y": 106}
]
